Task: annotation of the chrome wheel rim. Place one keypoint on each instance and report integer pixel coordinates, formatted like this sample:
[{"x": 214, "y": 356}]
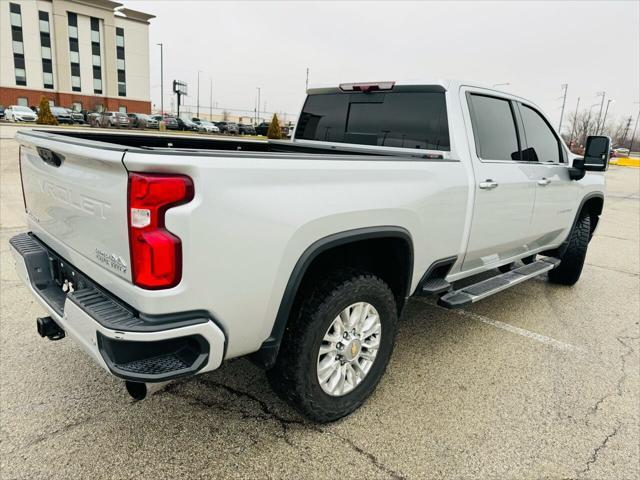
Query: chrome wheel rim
[{"x": 349, "y": 349}]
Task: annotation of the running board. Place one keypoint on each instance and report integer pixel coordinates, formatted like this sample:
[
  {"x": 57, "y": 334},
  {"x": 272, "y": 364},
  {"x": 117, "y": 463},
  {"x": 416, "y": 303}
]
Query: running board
[{"x": 472, "y": 293}]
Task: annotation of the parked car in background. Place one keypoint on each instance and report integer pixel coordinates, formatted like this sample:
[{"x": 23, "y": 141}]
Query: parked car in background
[
  {"x": 94, "y": 119},
  {"x": 187, "y": 125},
  {"x": 62, "y": 115},
  {"x": 1, "y": 112},
  {"x": 228, "y": 127},
  {"x": 263, "y": 128},
  {"x": 246, "y": 129},
  {"x": 208, "y": 127},
  {"x": 117, "y": 119},
  {"x": 19, "y": 113},
  {"x": 142, "y": 120},
  {"x": 77, "y": 117},
  {"x": 620, "y": 152},
  {"x": 170, "y": 123}
]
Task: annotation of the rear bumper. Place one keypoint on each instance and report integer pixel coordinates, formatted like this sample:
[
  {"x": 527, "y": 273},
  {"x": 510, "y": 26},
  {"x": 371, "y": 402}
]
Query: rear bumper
[{"x": 127, "y": 343}]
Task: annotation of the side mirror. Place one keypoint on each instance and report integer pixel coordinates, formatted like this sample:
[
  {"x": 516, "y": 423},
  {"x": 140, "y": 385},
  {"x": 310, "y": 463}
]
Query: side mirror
[{"x": 596, "y": 154}]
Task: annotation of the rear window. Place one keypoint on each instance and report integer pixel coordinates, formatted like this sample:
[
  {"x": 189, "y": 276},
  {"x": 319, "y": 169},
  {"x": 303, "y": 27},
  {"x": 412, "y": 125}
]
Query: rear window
[{"x": 390, "y": 119}]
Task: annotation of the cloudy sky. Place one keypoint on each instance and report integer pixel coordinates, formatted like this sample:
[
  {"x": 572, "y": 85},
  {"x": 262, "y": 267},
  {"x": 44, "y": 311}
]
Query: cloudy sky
[{"x": 534, "y": 46}]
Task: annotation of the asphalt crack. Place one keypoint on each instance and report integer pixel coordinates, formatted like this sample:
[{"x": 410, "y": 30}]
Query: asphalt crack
[
  {"x": 619, "y": 390},
  {"x": 266, "y": 413},
  {"x": 596, "y": 452}
]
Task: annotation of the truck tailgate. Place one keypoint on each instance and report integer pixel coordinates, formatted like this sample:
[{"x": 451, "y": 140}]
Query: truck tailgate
[{"x": 76, "y": 193}]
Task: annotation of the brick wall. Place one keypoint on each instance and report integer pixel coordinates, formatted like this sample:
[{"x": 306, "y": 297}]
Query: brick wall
[{"x": 9, "y": 96}]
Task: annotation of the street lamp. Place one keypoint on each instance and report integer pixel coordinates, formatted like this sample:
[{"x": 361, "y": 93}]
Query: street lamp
[
  {"x": 604, "y": 119},
  {"x": 198, "y": 96},
  {"x": 258, "y": 107},
  {"x": 586, "y": 127},
  {"x": 599, "y": 94},
  {"x": 161, "y": 82},
  {"x": 500, "y": 84}
]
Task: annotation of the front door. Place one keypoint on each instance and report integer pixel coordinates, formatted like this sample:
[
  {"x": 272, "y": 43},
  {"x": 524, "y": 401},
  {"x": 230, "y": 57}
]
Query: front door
[
  {"x": 555, "y": 192},
  {"x": 505, "y": 185}
]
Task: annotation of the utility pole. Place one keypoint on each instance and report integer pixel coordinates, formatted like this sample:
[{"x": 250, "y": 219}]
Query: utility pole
[
  {"x": 586, "y": 130},
  {"x": 598, "y": 94},
  {"x": 604, "y": 119},
  {"x": 161, "y": 81},
  {"x": 575, "y": 121},
  {"x": 258, "y": 107},
  {"x": 210, "y": 98},
  {"x": 198, "y": 96},
  {"x": 306, "y": 87},
  {"x": 564, "y": 86},
  {"x": 634, "y": 132}
]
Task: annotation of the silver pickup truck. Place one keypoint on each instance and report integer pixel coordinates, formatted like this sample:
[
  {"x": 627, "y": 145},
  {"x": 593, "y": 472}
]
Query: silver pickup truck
[{"x": 162, "y": 256}]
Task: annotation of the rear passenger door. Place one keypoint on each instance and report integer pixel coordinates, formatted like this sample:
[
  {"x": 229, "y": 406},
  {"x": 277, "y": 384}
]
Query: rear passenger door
[
  {"x": 555, "y": 192},
  {"x": 505, "y": 187}
]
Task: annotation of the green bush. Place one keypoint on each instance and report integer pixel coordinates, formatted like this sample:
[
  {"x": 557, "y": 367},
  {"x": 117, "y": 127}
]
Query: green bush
[
  {"x": 45, "y": 117},
  {"x": 274, "y": 131}
]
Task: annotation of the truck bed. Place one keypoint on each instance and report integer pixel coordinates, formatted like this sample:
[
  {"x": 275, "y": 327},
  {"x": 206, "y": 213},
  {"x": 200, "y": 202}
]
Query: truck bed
[{"x": 190, "y": 142}]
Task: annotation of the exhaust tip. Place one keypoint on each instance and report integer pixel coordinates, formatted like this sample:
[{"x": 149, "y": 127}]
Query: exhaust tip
[
  {"x": 47, "y": 327},
  {"x": 137, "y": 390}
]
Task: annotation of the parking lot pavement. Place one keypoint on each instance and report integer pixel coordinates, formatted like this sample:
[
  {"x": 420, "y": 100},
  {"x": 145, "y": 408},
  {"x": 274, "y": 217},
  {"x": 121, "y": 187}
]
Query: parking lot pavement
[{"x": 539, "y": 381}]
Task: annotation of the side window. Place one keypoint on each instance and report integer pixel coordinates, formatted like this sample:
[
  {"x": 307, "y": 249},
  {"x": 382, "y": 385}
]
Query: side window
[
  {"x": 539, "y": 142},
  {"x": 494, "y": 128}
]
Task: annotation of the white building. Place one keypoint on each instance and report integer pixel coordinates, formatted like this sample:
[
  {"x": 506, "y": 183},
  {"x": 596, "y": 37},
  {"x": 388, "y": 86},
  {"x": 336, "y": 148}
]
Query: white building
[{"x": 85, "y": 54}]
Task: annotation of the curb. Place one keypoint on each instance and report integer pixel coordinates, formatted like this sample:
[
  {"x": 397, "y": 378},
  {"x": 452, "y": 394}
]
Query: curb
[{"x": 625, "y": 162}]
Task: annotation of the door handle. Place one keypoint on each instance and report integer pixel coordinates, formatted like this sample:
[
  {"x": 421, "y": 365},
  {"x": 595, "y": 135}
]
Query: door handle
[
  {"x": 544, "y": 182},
  {"x": 488, "y": 184}
]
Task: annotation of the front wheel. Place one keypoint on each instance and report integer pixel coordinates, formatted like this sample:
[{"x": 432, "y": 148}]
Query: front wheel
[
  {"x": 336, "y": 346},
  {"x": 572, "y": 261}
]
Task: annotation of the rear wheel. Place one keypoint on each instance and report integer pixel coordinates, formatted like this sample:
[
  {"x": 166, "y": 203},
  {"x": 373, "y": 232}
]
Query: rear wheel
[
  {"x": 572, "y": 261},
  {"x": 336, "y": 346}
]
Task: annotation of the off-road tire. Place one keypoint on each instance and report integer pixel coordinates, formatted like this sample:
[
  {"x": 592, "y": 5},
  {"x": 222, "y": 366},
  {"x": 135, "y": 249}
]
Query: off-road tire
[
  {"x": 572, "y": 261},
  {"x": 294, "y": 376}
]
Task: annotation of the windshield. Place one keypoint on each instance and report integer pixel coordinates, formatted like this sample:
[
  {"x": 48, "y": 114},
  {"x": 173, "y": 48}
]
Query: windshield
[
  {"x": 58, "y": 110},
  {"x": 20, "y": 108},
  {"x": 204, "y": 122}
]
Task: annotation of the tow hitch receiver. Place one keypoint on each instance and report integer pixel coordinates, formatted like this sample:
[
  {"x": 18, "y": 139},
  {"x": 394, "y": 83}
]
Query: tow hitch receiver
[{"x": 47, "y": 327}]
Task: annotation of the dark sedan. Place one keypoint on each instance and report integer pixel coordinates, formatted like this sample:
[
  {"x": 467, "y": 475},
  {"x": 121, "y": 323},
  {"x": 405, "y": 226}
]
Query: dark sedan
[
  {"x": 246, "y": 129},
  {"x": 62, "y": 115},
  {"x": 187, "y": 125}
]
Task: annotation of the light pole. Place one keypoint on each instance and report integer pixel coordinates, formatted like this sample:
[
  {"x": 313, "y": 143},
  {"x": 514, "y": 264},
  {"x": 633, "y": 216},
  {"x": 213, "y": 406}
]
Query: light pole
[
  {"x": 634, "y": 132},
  {"x": 500, "y": 84},
  {"x": 586, "y": 128},
  {"x": 306, "y": 87},
  {"x": 575, "y": 121},
  {"x": 210, "y": 98},
  {"x": 258, "y": 107},
  {"x": 198, "y": 96},
  {"x": 604, "y": 119},
  {"x": 564, "y": 86},
  {"x": 599, "y": 94},
  {"x": 161, "y": 81}
]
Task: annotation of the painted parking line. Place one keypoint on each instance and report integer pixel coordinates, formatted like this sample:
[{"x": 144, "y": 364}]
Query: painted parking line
[{"x": 551, "y": 342}]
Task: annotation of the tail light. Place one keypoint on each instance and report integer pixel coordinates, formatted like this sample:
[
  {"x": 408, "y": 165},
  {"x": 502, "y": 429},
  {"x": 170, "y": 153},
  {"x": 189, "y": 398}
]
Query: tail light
[{"x": 156, "y": 253}]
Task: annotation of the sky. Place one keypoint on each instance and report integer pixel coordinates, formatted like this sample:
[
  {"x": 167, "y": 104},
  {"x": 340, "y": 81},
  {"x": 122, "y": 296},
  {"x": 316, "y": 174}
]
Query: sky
[{"x": 534, "y": 46}]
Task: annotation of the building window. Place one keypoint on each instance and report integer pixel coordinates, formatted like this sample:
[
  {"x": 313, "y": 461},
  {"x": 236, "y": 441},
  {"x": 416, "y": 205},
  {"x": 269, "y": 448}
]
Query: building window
[
  {"x": 74, "y": 51},
  {"x": 120, "y": 64},
  {"x": 122, "y": 109},
  {"x": 18, "y": 46},
  {"x": 95, "y": 55},
  {"x": 22, "y": 101},
  {"x": 45, "y": 50}
]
